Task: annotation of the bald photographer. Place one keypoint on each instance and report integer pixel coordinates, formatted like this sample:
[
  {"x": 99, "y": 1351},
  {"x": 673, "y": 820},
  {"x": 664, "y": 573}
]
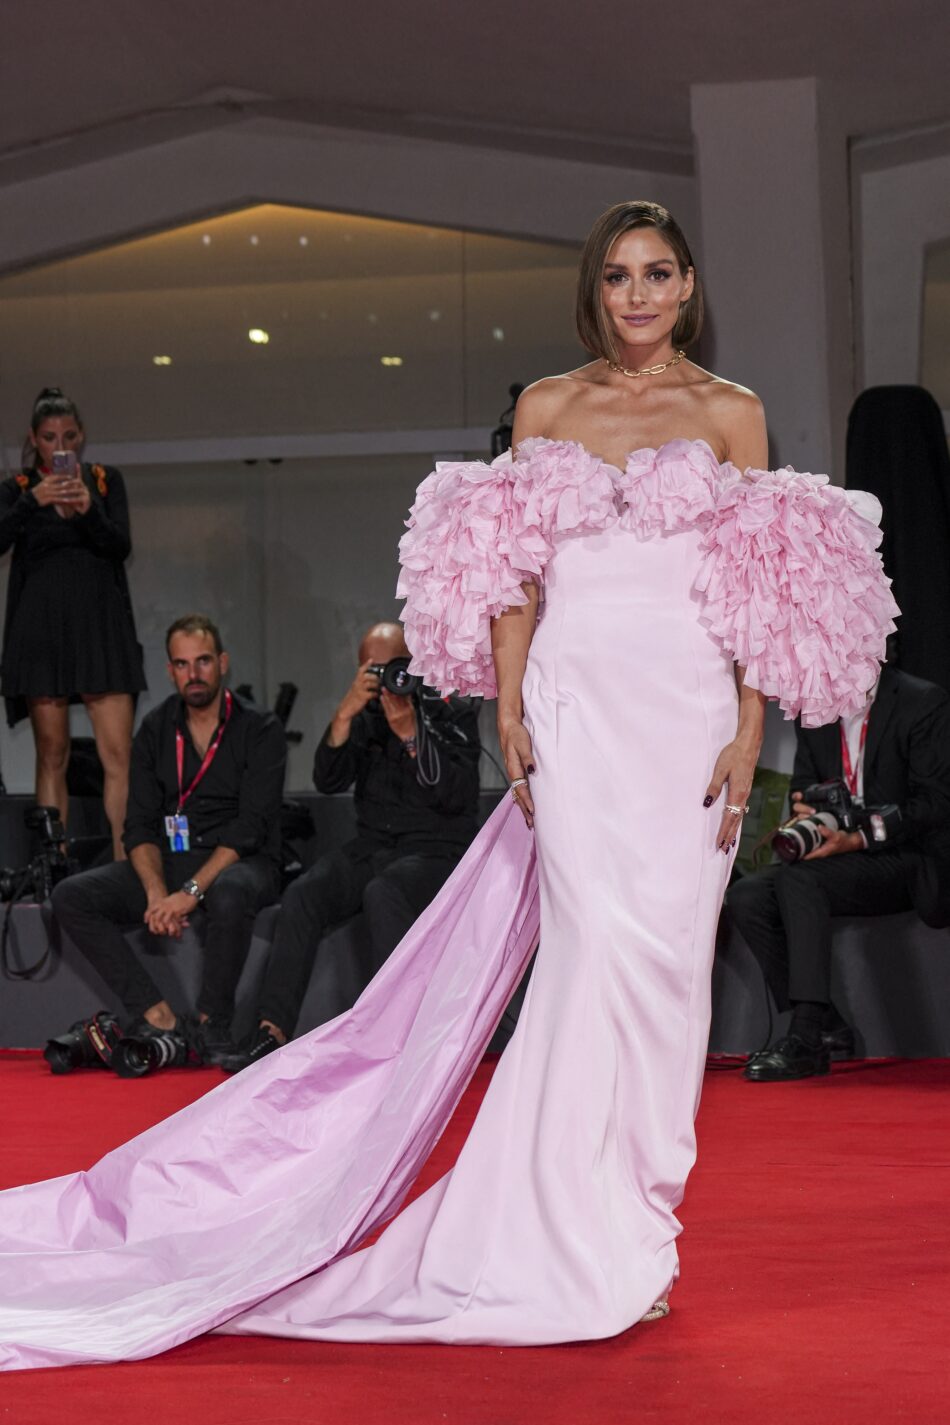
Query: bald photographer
[
  {"x": 871, "y": 837},
  {"x": 411, "y": 758}
]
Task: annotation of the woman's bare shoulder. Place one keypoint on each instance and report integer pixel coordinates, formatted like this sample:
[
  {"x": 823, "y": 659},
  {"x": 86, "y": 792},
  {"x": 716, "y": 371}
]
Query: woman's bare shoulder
[
  {"x": 737, "y": 415},
  {"x": 543, "y": 403}
]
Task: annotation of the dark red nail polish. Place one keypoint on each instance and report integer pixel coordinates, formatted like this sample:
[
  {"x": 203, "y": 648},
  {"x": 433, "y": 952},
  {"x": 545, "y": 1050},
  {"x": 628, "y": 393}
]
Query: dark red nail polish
[
  {"x": 707, "y": 801},
  {"x": 531, "y": 767}
]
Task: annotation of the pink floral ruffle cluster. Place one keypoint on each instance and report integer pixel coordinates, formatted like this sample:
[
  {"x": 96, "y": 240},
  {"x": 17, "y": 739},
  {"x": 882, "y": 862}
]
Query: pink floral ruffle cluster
[
  {"x": 791, "y": 581},
  {"x": 475, "y": 535},
  {"x": 669, "y": 489},
  {"x": 794, "y": 589}
]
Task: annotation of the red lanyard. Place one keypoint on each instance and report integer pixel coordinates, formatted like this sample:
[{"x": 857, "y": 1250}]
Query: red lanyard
[
  {"x": 851, "y": 773},
  {"x": 208, "y": 757}
]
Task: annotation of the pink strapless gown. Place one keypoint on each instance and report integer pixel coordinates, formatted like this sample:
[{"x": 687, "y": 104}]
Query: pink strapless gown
[{"x": 558, "y": 1221}]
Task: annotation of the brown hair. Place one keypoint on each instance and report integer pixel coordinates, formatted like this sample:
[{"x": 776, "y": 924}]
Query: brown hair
[
  {"x": 194, "y": 623},
  {"x": 592, "y": 326}
]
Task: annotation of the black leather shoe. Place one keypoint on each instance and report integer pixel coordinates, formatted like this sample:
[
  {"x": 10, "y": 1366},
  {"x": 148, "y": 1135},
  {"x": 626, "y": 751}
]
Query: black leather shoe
[
  {"x": 210, "y": 1041},
  {"x": 839, "y": 1041},
  {"x": 260, "y": 1044},
  {"x": 789, "y": 1058}
]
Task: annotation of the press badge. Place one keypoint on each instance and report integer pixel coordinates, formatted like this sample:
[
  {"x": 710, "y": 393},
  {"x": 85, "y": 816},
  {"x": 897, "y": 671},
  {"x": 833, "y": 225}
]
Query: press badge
[{"x": 176, "y": 829}]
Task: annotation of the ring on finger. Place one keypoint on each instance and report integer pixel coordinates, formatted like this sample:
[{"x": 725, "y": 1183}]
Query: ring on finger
[
  {"x": 513, "y": 787},
  {"x": 737, "y": 811}
]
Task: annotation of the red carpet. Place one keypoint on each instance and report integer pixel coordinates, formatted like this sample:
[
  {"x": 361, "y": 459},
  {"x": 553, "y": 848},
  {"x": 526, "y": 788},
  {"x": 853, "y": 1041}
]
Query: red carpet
[{"x": 815, "y": 1291}]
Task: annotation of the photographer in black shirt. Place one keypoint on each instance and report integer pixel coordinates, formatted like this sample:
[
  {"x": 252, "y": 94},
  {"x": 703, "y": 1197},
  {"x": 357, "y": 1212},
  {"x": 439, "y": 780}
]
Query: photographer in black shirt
[
  {"x": 413, "y": 763},
  {"x": 202, "y": 829},
  {"x": 895, "y": 751}
]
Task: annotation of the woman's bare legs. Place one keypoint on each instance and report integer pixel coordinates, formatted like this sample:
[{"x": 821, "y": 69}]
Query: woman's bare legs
[
  {"x": 111, "y": 715},
  {"x": 50, "y": 721}
]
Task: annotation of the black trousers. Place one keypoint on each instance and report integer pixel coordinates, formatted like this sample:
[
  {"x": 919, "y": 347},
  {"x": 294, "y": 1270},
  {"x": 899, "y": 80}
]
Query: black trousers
[
  {"x": 94, "y": 909},
  {"x": 784, "y": 914},
  {"x": 392, "y": 889}
]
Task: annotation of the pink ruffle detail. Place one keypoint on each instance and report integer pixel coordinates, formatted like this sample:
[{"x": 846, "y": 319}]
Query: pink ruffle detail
[
  {"x": 794, "y": 589},
  {"x": 669, "y": 489},
  {"x": 476, "y": 533}
]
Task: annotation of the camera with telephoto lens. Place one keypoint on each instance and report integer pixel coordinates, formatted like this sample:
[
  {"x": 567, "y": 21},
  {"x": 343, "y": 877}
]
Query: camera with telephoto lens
[
  {"x": 836, "y": 809},
  {"x": 48, "y": 866},
  {"x": 395, "y": 677},
  {"x": 141, "y": 1054}
]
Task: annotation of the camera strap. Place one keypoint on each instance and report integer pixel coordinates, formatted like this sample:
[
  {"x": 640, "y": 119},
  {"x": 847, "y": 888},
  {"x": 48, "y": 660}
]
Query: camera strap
[
  {"x": 209, "y": 756},
  {"x": 851, "y": 773}
]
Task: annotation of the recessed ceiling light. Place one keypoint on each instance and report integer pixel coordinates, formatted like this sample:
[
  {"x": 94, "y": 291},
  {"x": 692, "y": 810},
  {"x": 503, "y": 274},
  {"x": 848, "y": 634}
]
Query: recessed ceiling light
[
  {"x": 435, "y": 315},
  {"x": 372, "y": 318},
  {"x": 304, "y": 241},
  {"x": 498, "y": 333},
  {"x": 253, "y": 239},
  {"x": 390, "y": 360},
  {"x": 161, "y": 361},
  {"x": 258, "y": 336},
  {"x": 206, "y": 239}
]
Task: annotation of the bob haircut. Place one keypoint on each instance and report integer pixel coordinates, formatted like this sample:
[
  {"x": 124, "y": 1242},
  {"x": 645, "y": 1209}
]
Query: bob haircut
[{"x": 592, "y": 325}]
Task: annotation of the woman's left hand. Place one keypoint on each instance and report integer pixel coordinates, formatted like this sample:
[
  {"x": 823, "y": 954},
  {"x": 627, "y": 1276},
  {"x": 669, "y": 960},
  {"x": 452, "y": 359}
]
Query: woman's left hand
[
  {"x": 80, "y": 498},
  {"x": 734, "y": 770}
]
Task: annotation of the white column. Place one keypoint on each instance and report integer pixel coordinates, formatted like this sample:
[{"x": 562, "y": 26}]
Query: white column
[{"x": 772, "y": 172}]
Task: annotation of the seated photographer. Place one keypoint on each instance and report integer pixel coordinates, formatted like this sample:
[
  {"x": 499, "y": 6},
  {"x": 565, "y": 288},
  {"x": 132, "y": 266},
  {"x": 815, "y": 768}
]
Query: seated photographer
[
  {"x": 892, "y": 759},
  {"x": 414, "y": 761},
  {"x": 202, "y": 830}
]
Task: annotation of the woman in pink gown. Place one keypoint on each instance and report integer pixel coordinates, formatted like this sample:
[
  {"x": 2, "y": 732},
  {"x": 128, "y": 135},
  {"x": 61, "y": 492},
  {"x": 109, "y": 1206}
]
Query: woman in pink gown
[{"x": 631, "y": 740}]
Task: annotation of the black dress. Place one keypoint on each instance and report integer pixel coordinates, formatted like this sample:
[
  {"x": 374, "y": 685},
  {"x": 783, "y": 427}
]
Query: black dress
[{"x": 69, "y": 628}]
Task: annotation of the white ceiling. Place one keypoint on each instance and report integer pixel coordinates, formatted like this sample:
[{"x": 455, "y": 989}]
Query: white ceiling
[{"x": 605, "y": 80}]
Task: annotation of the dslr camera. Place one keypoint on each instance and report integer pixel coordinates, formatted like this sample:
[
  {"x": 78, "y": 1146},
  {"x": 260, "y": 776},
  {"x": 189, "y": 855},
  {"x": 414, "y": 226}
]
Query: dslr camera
[
  {"x": 395, "y": 677},
  {"x": 48, "y": 866},
  {"x": 836, "y": 809}
]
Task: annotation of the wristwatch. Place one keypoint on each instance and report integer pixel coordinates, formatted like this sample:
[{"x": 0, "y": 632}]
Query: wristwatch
[{"x": 191, "y": 888}]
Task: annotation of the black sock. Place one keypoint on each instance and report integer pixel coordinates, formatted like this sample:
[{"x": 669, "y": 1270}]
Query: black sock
[{"x": 808, "y": 1020}]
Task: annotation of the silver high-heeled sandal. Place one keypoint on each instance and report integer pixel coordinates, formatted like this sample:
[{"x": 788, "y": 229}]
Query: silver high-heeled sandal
[{"x": 657, "y": 1311}]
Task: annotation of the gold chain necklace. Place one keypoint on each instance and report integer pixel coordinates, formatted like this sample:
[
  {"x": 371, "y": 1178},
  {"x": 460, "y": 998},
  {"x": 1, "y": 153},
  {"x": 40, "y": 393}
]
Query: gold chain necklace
[{"x": 648, "y": 370}]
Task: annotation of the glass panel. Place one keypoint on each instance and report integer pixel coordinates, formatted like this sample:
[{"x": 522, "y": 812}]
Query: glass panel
[{"x": 360, "y": 325}]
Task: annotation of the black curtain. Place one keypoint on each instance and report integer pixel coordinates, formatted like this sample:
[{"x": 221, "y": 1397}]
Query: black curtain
[{"x": 897, "y": 449}]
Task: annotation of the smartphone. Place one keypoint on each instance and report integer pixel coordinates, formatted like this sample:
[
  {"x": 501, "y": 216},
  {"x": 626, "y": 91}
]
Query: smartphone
[{"x": 64, "y": 463}]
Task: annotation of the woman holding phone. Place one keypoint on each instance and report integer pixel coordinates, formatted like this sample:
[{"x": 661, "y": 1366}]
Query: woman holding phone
[{"x": 69, "y": 634}]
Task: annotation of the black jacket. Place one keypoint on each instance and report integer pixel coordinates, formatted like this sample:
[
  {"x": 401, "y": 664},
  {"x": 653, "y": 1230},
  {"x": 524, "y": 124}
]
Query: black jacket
[
  {"x": 393, "y": 809},
  {"x": 906, "y": 761}
]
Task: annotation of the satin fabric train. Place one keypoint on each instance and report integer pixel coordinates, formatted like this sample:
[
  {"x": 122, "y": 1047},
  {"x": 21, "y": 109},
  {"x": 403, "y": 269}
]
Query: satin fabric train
[{"x": 284, "y": 1167}]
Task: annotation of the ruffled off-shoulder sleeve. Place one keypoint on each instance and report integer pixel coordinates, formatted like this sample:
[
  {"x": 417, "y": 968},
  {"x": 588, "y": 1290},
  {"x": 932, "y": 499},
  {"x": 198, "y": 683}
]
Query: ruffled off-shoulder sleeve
[
  {"x": 474, "y": 536},
  {"x": 793, "y": 587}
]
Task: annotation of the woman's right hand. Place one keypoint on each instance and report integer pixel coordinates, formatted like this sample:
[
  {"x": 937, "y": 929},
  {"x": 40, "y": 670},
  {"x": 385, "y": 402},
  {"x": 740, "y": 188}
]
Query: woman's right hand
[
  {"x": 66, "y": 493},
  {"x": 519, "y": 762},
  {"x": 54, "y": 489}
]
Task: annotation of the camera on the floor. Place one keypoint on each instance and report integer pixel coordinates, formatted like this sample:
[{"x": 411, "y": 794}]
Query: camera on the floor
[
  {"x": 836, "y": 809},
  {"x": 87, "y": 1044},
  {"x": 395, "y": 677},
  {"x": 137, "y": 1055},
  {"x": 48, "y": 866}
]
